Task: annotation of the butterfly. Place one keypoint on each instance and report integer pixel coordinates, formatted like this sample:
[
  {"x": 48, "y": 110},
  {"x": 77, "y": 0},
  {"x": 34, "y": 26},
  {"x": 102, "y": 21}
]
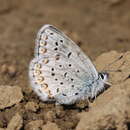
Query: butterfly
[{"x": 60, "y": 71}]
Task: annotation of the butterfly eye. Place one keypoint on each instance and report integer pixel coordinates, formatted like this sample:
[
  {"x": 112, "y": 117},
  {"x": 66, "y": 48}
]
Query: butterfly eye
[
  {"x": 104, "y": 75},
  {"x": 101, "y": 75}
]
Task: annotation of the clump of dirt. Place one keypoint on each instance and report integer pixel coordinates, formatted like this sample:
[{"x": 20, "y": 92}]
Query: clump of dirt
[{"x": 9, "y": 96}]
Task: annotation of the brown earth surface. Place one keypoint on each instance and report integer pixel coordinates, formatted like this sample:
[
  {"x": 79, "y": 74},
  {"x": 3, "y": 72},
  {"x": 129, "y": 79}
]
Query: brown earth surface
[{"x": 98, "y": 27}]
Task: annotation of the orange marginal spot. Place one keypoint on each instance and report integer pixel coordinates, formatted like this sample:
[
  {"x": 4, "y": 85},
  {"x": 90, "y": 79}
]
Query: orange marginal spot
[
  {"x": 43, "y": 37},
  {"x": 43, "y": 43},
  {"x": 37, "y": 66},
  {"x": 44, "y": 86},
  {"x": 50, "y": 94},
  {"x": 45, "y": 61},
  {"x": 37, "y": 72},
  {"x": 42, "y": 50},
  {"x": 40, "y": 79}
]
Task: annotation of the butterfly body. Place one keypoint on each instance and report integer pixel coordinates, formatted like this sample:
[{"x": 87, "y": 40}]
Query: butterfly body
[{"x": 60, "y": 71}]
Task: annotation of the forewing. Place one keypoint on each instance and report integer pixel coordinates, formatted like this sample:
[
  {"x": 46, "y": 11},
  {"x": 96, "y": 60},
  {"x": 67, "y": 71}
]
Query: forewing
[{"x": 54, "y": 42}]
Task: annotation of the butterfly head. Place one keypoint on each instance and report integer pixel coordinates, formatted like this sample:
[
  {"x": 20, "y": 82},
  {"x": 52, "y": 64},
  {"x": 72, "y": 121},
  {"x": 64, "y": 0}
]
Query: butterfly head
[
  {"x": 103, "y": 76},
  {"x": 100, "y": 84}
]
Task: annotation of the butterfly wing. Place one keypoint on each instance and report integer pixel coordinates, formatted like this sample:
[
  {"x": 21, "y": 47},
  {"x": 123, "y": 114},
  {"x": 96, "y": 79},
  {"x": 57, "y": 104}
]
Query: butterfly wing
[
  {"x": 64, "y": 68},
  {"x": 52, "y": 40}
]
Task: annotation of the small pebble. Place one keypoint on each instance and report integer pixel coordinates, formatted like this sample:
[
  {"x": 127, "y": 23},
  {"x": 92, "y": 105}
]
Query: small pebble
[
  {"x": 10, "y": 95},
  {"x": 15, "y": 123},
  {"x": 12, "y": 71},
  {"x": 8, "y": 69},
  {"x": 50, "y": 126},
  {"x": 50, "y": 115},
  {"x": 60, "y": 112},
  {"x": 32, "y": 106},
  {"x": 34, "y": 125}
]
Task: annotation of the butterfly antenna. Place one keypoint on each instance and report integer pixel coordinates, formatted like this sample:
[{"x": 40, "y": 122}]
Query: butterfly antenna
[{"x": 107, "y": 83}]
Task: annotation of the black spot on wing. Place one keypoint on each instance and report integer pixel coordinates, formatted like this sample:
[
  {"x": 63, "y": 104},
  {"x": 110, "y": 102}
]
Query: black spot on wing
[
  {"x": 56, "y": 43},
  {"x": 61, "y": 41},
  {"x": 64, "y": 94},
  {"x": 61, "y": 83},
  {"x": 70, "y": 65},
  {"x": 56, "y": 49},
  {"x": 77, "y": 71},
  {"x": 60, "y": 65},
  {"x": 57, "y": 90},
  {"x": 53, "y": 74},
  {"x": 69, "y": 54},
  {"x": 72, "y": 86},
  {"x": 65, "y": 74},
  {"x": 51, "y": 33},
  {"x": 76, "y": 93},
  {"x": 72, "y": 79}
]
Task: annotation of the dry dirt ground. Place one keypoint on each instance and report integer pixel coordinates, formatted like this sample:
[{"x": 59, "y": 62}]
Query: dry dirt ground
[{"x": 98, "y": 27}]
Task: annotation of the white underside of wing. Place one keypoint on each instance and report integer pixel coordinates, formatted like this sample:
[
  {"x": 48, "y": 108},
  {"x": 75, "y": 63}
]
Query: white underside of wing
[{"x": 60, "y": 69}]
